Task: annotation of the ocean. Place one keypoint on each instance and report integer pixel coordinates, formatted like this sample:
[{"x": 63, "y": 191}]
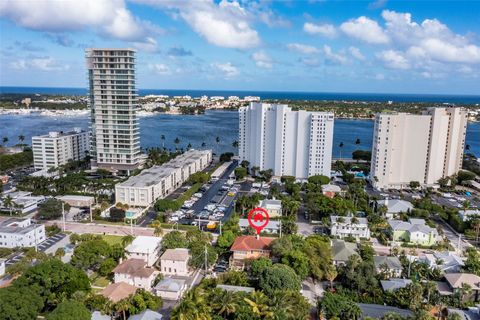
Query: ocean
[{"x": 379, "y": 97}]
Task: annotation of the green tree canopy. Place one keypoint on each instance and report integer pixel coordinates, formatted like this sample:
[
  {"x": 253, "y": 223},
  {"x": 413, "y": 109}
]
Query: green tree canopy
[
  {"x": 174, "y": 239},
  {"x": 278, "y": 277},
  {"x": 54, "y": 279},
  {"x": 89, "y": 254},
  {"x": 72, "y": 310},
  {"x": 51, "y": 209},
  {"x": 19, "y": 303}
]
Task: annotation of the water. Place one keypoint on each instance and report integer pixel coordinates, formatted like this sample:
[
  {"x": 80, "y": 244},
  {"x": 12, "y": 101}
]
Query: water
[
  {"x": 380, "y": 97},
  {"x": 201, "y": 128}
]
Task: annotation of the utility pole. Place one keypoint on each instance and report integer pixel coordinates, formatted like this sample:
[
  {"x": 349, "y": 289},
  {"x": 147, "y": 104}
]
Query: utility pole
[
  {"x": 220, "y": 227},
  {"x": 206, "y": 259},
  {"x": 63, "y": 216},
  {"x": 91, "y": 215},
  {"x": 131, "y": 226}
]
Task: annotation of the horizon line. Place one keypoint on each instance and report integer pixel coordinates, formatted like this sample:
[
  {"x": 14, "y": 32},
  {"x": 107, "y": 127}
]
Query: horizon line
[{"x": 265, "y": 91}]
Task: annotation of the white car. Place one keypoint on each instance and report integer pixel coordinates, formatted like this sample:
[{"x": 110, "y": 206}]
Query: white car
[{"x": 198, "y": 194}]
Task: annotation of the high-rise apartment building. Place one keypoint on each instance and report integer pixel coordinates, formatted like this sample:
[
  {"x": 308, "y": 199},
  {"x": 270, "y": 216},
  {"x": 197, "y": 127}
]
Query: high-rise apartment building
[
  {"x": 57, "y": 148},
  {"x": 295, "y": 143},
  {"x": 423, "y": 148},
  {"x": 113, "y": 101}
]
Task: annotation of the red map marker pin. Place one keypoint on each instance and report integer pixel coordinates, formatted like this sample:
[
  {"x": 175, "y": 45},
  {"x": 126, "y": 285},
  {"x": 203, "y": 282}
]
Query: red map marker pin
[{"x": 258, "y": 219}]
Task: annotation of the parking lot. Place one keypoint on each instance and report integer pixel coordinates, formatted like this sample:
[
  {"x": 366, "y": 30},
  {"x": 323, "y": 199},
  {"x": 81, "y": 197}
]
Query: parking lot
[{"x": 212, "y": 204}]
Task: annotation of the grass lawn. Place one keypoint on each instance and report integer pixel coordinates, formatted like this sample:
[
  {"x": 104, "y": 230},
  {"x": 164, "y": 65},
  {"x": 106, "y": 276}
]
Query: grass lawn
[
  {"x": 111, "y": 240},
  {"x": 101, "y": 282}
]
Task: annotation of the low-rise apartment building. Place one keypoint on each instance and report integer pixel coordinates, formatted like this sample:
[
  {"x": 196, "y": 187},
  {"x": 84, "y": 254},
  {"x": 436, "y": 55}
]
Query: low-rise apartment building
[
  {"x": 413, "y": 231},
  {"x": 21, "y": 233},
  {"x": 349, "y": 227},
  {"x": 57, "y": 147},
  {"x": 159, "y": 181}
]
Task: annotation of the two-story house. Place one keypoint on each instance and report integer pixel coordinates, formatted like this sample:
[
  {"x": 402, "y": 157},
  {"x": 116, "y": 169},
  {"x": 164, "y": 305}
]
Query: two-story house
[
  {"x": 136, "y": 273},
  {"x": 249, "y": 248},
  {"x": 175, "y": 262},
  {"x": 349, "y": 227},
  {"x": 413, "y": 231},
  {"x": 145, "y": 248}
]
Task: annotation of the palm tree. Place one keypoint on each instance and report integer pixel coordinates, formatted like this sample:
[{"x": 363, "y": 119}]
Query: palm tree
[
  {"x": 330, "y": 274},
  {"x": 176, "y": 141},
  {"x": 158, "y": 230},
  {"x": 467, "y": 147},
  {"x": 254, "y": 171},
  {"x": 217, "y": 140},
  {"x": 224, "y": 302},
  {"x": 126, "y": 240},
  {"x": 122, "y": 306},
  {"x": 235, "y": 144},
  {"x": 8, "y": 203},
  {"x": 192, "y": 307},
  {"x": 162, "y": 137},
  {"x": 341, "y": 147},
  {"x": 476, "y": 228},
  {"x": 351, "y": 311},
  {"x": 357, "y": 141},
  {"x": 189, "y": 146},
  {"x": 258, "y": 302},
  {"x": 5, "y": 140},
  {"x": 204, "y": 144}
]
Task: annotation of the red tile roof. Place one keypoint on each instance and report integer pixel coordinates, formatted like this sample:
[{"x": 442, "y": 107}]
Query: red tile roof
[{"x": 246, "y": 243}]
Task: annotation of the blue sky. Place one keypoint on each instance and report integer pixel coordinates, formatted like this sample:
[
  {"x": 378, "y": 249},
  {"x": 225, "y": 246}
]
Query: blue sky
[{"x": 323, "y": 46}]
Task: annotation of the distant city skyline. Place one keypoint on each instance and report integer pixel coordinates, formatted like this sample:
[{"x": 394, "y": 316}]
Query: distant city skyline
[{"x": 309, "y": 46}]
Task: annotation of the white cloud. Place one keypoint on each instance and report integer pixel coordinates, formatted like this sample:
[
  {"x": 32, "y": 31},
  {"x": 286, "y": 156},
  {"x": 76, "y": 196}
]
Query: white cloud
[
  {"x": 108, "y": 17},
  {"x": 326, "y": 30},
  {"x": 333, "y": 58},
  {"x": 38, "y": 63},
  {"x": 149, "y": 45},
  {"x": 393, "y": 59},
  {"x": 356, "y": 53},
  {"x": 430, "y": 39},
  {"x": 228, "y": 69},
  {"x": 226, "y": 24},
  {"x": 365, "y": 29},
  {"x": 302, "y": 48},
  {"x": 262, "y": 60},
  {"x": 160, "y": 68}
]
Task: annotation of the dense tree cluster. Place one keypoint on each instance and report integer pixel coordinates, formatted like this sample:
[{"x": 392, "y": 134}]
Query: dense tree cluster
[{"x": 12, "y": 161}]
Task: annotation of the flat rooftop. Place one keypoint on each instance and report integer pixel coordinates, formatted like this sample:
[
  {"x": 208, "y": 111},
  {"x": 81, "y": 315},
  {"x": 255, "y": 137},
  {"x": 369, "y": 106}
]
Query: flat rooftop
[
  {"x": 13, "y": 225},
  {"x": 153, "y": 175}
]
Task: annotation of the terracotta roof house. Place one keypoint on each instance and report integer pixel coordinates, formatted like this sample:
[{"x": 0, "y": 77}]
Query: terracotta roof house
[
  {"x": 118, "y": 291},
  {"x": 249, "y": 247},
  {"x": 456, "y": 280},
  {"x": 136, "y": 273}
]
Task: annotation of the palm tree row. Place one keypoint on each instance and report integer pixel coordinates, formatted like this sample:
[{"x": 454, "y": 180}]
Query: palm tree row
[{"x": 202, "y": 304}]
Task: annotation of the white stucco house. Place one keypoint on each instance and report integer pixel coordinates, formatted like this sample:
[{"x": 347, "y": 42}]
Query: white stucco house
[
  {"x": 2, "y": 267},
  {"x": 135, "y": 272},
  {"x": 273, "y": 207},
  {"x": 175, "y": 262},
  {"x": 145, "y": 248},
  {"x": 15, "y": 232},
  {"x": 349, "y": 227},
  {"x": 171, "y": 288}
]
